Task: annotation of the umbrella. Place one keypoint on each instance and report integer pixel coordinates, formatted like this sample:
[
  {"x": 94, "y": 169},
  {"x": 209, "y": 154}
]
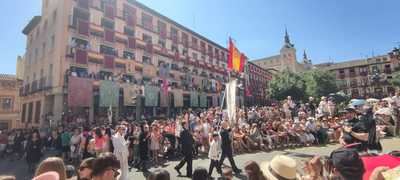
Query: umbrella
[
  {"x": 384, "y": 111},
  {"x": 372, "y": 100},
  {"x": 357, "y": 102}
]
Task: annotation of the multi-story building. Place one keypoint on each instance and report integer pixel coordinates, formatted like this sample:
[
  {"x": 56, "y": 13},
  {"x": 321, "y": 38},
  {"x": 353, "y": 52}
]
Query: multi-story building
[
  {"x": 9, "y": 102},
  {"x": 364, "y": 77},
  {"x": 119, "y": 40},
  {"x": 257, "y": 84},
  {"x": 285, "y": 60}
]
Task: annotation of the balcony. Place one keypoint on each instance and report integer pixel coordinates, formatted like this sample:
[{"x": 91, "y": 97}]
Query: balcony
[
  {"x": 363, "y": 73},
  {"x": 387, "y": 71},
  {"x": 342, "y": 76}
]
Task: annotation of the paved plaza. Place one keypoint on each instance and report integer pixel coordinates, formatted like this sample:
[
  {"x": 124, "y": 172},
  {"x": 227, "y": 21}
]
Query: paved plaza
[{"x": 19, "y": 168}]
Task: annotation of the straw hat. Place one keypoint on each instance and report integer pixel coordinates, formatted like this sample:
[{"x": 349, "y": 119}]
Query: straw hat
[{"x": 280, "y": 167}]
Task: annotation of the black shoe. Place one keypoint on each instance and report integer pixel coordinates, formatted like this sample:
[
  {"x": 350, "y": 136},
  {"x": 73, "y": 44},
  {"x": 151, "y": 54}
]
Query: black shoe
[
  {"x": 177, "y": 170},
  {"x": 189, "y": 176}
]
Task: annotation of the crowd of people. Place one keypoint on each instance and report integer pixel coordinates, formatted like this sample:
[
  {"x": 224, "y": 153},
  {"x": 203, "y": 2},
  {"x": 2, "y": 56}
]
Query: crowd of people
[{"x": 111, "y": 151}]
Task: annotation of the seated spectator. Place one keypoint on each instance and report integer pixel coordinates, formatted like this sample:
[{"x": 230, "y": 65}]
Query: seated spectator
[
  {"x": 105, "y": 167},
  {"x": 85, "y": 169},
  {"x": 346, "y": 164},
  {"x": 52, "y": 164},
  {"x": 200, "y": 173},
  {"x": 159, "y": 174},
  {"x": 280, "y": 167},
  {"x": 253, "y": 171}
]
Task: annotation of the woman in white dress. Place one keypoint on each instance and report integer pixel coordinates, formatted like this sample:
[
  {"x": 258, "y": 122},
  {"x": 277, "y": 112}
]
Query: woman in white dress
[{"x": 121, "y": 150}]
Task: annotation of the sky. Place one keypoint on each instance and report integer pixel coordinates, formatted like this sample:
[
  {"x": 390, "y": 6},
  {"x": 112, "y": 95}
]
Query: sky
[{"x": 329, "y": 30}]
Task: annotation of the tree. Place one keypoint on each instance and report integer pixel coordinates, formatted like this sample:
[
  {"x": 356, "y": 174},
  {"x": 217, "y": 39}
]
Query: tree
[
  {"x": 319, "y": 83},
  {"x": 287, "y": 84},
  {"x": 395, "y": 81}
]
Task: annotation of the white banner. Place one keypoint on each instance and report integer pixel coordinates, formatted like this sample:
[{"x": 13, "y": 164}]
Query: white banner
[{"x": 231, "y": 100}]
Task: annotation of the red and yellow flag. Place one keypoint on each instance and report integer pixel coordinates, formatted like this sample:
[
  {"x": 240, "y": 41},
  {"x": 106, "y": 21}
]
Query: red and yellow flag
[{"x": 236, "y": 60}]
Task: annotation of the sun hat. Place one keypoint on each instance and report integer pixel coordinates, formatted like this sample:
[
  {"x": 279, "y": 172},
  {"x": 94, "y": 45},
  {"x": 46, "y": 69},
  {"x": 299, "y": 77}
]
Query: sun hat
[{"x": 280, "y": 167}]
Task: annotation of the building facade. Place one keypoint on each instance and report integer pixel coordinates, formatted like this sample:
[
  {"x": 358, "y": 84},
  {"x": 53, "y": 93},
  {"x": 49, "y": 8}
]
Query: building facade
[
  {"x": 257, "y": 85},
  {"x": 9, "y": 102},
  {"x": 122, "y": 41},
  {"x": 285, "y": 60},
  {"x": 364, "y": 78}
]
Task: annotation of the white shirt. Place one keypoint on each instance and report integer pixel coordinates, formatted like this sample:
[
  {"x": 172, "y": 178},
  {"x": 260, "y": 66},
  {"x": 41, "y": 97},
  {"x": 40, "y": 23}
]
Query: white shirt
[
  {"x": 215, "y": 150},
  {"x": 120, "y": 144}
]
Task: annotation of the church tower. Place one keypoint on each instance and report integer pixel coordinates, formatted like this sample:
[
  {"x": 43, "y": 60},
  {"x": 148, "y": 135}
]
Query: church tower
[
  {"x": 306, "y": 62},
  {"x": 288, "y": 54}
]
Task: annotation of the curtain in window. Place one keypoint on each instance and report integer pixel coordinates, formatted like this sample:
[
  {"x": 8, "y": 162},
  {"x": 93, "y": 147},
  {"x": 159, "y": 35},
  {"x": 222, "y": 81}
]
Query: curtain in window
[
  {"x": 83, "y": 27},
  {"x": 109, "y": 35},
  {"x": 80, "y": 92},
  {"x": 108, "y": 61},
  {"x": 131, "y": 42},
  {"x": 81, "y": 56}
]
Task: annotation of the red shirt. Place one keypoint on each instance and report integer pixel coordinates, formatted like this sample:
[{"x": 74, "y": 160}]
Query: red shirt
[{"x": 372, "y": 162}]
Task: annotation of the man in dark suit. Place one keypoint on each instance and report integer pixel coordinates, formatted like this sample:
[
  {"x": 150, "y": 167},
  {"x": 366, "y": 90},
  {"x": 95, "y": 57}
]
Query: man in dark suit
[
  {"x": 226, "y": 146},
  {"x": 186, "y": 141}
]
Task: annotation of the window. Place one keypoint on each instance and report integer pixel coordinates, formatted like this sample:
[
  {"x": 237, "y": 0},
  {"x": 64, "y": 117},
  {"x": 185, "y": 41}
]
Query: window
[
  {"x": 37, "y": 32},
  {"x": 54, "y": 16},
  {"x": 146, "y": 60},
  {"x": 36, "y": 54},
  {"x": 43, "y": 49},
  {"x": 174, "y": 48},
  {"x": 129, "y": 14},
  {"x": 23, "y": 113},
  {"x": 194, "y": 56},
  {"x": 129, "y": 55},
  {"x": 30, "y": 109},
  {"x": 79, "y": 14},
  {"x": 107, "y": 50},
  {"x": 147, "y": 21},
  {"x": 194, "y": 43},
  {"x": 6, "y": 104},
  {"x": 162, "y": 29},
  {"x": 107, "y": 23},
  {"x": 129, "y": 31},
  {"x": 45, "y": 26},
  {"x": 53, "y": 41},
  {"x": 185, "y": 39},
  {"x": 161, "y": 42},
  {"x": 174, "y": 35},
  {"x": 147, "y": 38},
  {"x": 38, "y": 106}
]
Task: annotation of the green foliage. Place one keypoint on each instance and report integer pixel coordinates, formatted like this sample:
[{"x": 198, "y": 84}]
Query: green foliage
[
  {"x": 313, "y": 83},
  {"x": 395, "y": 81},
  {"x": 319, "y": 83},
  {"x": 287, "y": 84}
]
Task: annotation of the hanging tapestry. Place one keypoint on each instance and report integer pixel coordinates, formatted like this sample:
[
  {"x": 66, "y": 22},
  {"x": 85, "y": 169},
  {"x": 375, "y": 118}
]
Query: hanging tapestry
[
  {"x": 194, "y": 99},
  {"x": 203, "y": 100},
  {"x": 151, "y": 95},
  {"x": 149, "y": 71},
  {"x": 80, "y": 92},
  {"x": 130, "y": 92},
  {"x": 109, "y": 94},
  {"x": 178, "y": 97}
]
